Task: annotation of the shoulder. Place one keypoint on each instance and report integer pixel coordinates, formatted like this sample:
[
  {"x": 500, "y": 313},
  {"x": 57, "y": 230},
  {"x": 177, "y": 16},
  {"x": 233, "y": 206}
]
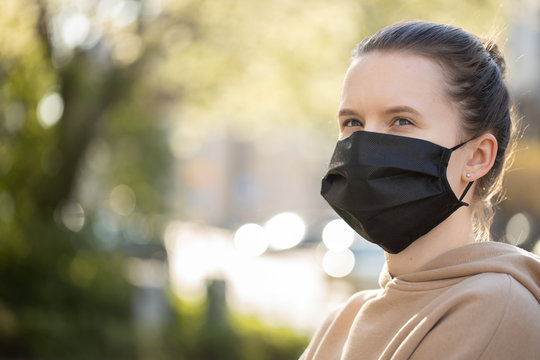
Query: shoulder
[
  {"x": 518, "y": 322},
  {"x": 498, "y": 285},
  {"x": 486, "y": 316},
  {"x": 497, "y": 294},
  {"x": 491, "y": 301},
  {"x": 357, "y": 300},
  {"x": 347, "y": 311},
  {"x": 337, "y": 323}
]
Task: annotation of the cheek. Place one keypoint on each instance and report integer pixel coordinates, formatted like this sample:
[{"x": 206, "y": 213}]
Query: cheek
[
  {"x": 454, "y": 172},
  {"x": 345, "y": 133}
]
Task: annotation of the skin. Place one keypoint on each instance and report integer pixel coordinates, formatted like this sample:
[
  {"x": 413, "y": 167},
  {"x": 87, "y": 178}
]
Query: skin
[{"x": 404, "y": 94}]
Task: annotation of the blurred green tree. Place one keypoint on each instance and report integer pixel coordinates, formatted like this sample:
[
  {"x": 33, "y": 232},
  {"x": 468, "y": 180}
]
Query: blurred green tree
[{"x": 63, "y": 293}]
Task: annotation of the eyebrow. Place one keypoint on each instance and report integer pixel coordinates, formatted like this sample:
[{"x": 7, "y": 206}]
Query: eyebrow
[
  {"x": 347, "y": 112},
  {"x": 392, "y": 110},
  {"x": 402, "y": 109}
]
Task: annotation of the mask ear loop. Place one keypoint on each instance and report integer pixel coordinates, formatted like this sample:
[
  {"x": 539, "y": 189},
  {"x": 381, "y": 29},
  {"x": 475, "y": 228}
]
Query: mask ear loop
[
  {"x": 460, "y": 145},
  {"x": 465, "y": 193},
  {"x": 470, "y": 182}
]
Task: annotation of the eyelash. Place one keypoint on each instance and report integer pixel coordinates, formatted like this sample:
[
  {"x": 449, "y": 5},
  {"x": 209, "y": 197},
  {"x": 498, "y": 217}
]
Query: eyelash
[
  {"x": 347, "y": 123},
  {"x": 394, "y": 121}
]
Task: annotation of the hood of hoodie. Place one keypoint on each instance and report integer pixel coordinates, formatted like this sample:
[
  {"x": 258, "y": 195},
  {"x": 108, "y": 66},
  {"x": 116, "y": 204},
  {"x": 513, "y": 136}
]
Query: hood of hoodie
[{"x": 473, "y": 259}]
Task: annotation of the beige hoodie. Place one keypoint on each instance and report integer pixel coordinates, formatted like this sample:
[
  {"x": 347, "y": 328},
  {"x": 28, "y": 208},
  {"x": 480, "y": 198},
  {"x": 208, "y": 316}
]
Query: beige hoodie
[{"x": 480, "y": 301}]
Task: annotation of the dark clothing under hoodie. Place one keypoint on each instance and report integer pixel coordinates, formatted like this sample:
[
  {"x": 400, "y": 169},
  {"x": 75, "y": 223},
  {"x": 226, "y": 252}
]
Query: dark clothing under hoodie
[{"x": 479, "y": 301}]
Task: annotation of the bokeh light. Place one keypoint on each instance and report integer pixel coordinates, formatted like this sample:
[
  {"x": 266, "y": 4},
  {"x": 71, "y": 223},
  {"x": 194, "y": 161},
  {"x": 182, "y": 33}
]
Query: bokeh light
[
  {"x": 285, "y": 230},
  {"x": 338, "y": 263},
  {"x": 125, "y": 12},
  {"x": 251, "y": 239},
  {"x": 50, "y": 109},
  {"x": 122, "y": 200},
  {"x": 196, "y": 254},
  {"x": 337, "y": 235},
  {"x": 518, "y": 229},
  {"x": 72, "y": 216},
  {"x": 75, "y": 28},
  {"x": 127, "y": 49}
]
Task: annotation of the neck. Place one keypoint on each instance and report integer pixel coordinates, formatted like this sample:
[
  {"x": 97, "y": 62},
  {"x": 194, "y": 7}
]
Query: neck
[{"x": 455, "y": 231}]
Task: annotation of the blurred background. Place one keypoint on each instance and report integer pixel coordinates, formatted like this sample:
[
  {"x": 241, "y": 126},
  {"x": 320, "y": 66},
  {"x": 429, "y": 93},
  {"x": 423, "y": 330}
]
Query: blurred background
[{"x": 160, "y": 164}]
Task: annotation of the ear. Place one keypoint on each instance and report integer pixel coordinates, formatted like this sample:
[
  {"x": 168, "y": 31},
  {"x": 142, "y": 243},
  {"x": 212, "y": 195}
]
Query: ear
[{"x": 481, "y": 158}]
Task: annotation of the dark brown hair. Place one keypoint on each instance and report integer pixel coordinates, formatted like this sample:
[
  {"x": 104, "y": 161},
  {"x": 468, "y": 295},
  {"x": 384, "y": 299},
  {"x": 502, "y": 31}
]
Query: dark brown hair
[{"x": 474, "y": 70}]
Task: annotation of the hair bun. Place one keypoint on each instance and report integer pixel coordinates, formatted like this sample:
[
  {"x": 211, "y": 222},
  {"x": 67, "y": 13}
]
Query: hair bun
[{"x": 495, "y": 54}]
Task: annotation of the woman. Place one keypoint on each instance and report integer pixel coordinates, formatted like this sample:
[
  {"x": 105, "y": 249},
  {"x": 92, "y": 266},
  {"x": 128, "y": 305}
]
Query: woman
[{"x": 424, "y": 128}]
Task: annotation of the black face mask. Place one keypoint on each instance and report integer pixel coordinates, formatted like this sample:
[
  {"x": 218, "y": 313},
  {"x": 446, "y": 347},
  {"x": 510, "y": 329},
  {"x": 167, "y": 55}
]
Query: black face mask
[{"x": 390, "y": 189}]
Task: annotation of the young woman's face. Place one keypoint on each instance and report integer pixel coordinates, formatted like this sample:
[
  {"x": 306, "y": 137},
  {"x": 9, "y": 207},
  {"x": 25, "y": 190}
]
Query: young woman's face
[
  {"x": 398, "y": 93},
  {"x": 403, "y": 94}
]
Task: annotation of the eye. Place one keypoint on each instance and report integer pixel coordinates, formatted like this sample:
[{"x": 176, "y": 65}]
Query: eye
[
  {"x": 402, "y": 122},
  {"x": 352, "y": 123}
]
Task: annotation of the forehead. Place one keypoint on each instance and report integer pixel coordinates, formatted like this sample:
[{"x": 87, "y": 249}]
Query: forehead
[{"x": 395, "y": 75}]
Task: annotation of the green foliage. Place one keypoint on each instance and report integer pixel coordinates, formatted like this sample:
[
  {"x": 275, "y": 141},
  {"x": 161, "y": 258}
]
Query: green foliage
[
  {"x": 238, "y": 337},
  {"x": 262, "y": 342},
  {"x": 60, "y": 298}
]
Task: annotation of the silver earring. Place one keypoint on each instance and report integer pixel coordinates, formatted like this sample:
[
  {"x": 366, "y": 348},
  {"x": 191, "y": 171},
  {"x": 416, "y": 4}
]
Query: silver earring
[{"x": 468, "y": 175}]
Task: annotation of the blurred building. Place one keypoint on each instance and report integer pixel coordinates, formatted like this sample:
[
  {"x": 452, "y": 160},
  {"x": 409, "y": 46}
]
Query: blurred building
[
  {"x": 519, "y": 215},
  {"x": 523, "y": 53},
  {"x": 232, "y": 181}
]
